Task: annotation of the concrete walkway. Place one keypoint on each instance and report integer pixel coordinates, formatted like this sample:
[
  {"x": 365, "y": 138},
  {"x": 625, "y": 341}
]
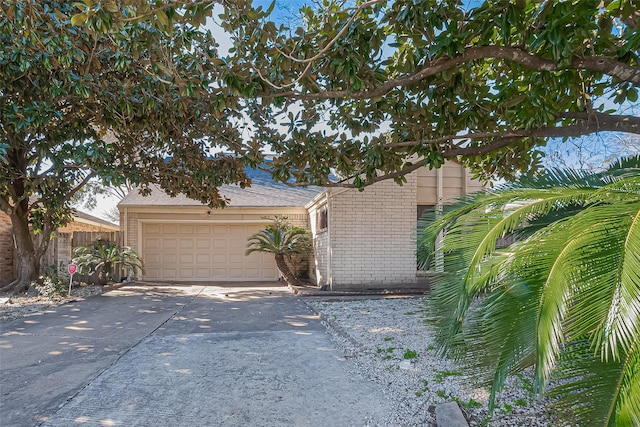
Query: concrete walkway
[{"x": 180, "y": 356}]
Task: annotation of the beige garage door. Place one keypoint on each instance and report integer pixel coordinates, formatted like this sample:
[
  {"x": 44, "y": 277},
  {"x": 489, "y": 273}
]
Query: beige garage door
[{"x": 202, "y": 252}]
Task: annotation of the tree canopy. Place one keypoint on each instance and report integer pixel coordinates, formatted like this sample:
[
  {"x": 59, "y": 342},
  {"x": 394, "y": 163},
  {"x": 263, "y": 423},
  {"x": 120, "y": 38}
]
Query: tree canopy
[
  {"x": 380, "y": 88},
  {"x": 135, "y": 91},
  {"x": 375, "y": 89},
  {"x": 124, "y": 106}
]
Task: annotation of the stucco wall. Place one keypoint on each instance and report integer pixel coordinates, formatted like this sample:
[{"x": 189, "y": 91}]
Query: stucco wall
[{"x": 6, "y": 250}]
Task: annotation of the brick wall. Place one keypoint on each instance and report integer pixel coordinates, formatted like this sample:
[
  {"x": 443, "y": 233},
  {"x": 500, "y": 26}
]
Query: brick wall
[
  {"x": 7, "y": 273},
  {"x": 372, "y": 236}
]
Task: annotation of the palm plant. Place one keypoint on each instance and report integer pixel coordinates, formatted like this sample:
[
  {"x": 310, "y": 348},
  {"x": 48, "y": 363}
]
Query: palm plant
[
  {"x": 102, "y": 257},
  {"x": 563, "y": 298},
  {"x": 282, "y": 240}
]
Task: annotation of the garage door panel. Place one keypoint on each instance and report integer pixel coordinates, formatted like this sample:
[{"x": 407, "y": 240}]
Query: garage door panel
[
  {"x": 203, "y": 243},
  {"x": 186, "y": 258},
  {"x": 169, "y": 273},
  {"x": 235, "y": 258},
  {"x": 211, "y": 252},
  {"x": 236, "y": 273},
  {"x": 152, "y": 273},
  {"x": 187, "y": 243},
  {"x": 170, "y": 229},
  {"x": 219, "y": 243},
  {"x": 186, "y": 273},
  {"x": 153, "y": 258},
  {"x": 169, "y": 258},
  {"x": 268, "y": 273},
  {"x": 186, "y": 229},
  {"x": 237, "y": 243},
  {"x": 253, "y": 273},
  {"x": 203, "y": 259},
  {"x": 154, "y": 228},
  {"x": 153, "y": 244},
  {"x": 201, "y": 229},
  {"x": 169, "y": 244},
  {"x": 203, "y": 273}
]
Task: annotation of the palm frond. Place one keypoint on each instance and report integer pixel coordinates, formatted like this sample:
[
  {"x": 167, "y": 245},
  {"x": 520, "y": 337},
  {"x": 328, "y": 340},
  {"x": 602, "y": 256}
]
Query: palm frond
[{"x": 565, "y": 297}]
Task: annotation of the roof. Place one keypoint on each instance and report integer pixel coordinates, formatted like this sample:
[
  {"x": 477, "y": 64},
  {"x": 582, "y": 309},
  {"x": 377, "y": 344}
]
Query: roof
[
  {"x": 264, "y": 192},
  {"x": 93, "y": 219}
]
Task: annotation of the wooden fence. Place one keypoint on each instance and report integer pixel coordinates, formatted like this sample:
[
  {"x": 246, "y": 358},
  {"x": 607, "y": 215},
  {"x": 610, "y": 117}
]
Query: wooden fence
[{"x": 61, "y": 252}]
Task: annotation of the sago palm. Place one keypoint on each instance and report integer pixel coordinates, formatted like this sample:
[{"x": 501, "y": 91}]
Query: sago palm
[
  {"x": 281, "y": 239},
  {"x": 101, "y": 257},
  {"x": 563, "y": 297}
]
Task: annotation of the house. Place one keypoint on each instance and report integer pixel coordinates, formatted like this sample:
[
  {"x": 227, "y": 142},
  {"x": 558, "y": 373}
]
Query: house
[
  {"x": 82, "y": 222},
  {"x": 361, "y": 239}
]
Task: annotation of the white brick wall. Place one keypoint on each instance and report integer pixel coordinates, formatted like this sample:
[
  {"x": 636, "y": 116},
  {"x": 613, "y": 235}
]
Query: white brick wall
[{"x": 372, "y": 236}]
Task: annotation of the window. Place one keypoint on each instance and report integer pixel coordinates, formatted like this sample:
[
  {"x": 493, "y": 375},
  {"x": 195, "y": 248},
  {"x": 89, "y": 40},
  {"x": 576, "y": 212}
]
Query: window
[
  {"x": 426, "y": 209},
  {"x": 322, "y": 219}
]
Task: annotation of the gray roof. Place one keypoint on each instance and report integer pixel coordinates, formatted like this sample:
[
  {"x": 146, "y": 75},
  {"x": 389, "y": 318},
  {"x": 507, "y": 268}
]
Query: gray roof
[{"x": 264, "y": 192}]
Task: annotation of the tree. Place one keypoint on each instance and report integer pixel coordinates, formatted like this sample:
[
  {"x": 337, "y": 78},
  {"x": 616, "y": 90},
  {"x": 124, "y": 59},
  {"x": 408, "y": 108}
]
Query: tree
[
  {"x": 281, "y": 239},
  {"x": 102, "y": 257},
  {"x": 381, "y": 88},
  {"x": 135, "y": 105},
  {"x": 374, "y": 89},
  {"x": 563, "y": 298}
]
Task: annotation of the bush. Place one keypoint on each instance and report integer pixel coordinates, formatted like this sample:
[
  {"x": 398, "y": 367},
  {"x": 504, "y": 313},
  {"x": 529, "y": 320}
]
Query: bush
[
  {"x": 50, "y": 286},
  {"x": 102, "y": 257}
]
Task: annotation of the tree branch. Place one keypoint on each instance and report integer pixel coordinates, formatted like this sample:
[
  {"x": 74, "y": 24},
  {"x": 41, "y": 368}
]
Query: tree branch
[
  {"x": 588, "y": 123},
  {"x": 617, "y": 69}
]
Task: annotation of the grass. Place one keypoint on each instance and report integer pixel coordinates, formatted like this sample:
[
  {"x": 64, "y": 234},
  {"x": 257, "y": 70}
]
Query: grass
[
  {"x": 409, "y": 354},
  {"x": 441, "y": 375},
  {"x": 442, "y": 394},
  {"x": 468, "y": 405}
]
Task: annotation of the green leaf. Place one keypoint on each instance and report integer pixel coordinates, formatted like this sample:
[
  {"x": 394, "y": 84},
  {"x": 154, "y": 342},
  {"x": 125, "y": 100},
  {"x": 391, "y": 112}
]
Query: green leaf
[{"x": 78, "y": 19}]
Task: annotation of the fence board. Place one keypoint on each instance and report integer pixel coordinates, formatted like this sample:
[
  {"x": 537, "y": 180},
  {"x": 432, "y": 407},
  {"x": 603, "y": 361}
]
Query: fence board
[{"x": 61, "y": 252}]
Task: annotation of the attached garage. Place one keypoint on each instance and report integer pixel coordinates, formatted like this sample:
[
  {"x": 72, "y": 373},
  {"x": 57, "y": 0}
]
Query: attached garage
[
  {"x": 201, "y": 251},
  {"x": 181, "y": 240}
]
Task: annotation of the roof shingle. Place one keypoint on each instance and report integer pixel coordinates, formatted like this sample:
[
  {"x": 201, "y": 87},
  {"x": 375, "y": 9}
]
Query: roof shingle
[{"x": 264, "y": 192}]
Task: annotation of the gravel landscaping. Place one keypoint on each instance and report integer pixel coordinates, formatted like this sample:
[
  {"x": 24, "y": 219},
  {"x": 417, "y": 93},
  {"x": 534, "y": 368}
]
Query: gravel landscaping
[{"x": 387, "y": 341}]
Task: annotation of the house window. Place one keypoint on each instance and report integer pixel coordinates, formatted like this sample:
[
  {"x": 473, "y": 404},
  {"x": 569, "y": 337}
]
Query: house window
[
  {"x": 426, "y": 209},
  {"x": 322, "y": 219},
  {"x": 426, "y": 215}
]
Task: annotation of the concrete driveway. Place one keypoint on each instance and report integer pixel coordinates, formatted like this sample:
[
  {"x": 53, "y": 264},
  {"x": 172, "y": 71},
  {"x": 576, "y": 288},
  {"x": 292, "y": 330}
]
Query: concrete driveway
[{"x": 180, "y": 356}]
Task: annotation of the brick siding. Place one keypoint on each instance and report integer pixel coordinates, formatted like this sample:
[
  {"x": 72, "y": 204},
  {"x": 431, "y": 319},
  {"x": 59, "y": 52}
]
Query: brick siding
[
  {"x": 372, "y": 236},
  {"x": 7, "y": 268}
]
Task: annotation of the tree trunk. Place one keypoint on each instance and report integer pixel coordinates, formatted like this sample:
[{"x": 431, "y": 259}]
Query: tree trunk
[
  {"x": 287, "y": 275},
  {"x": 27, "y": 255}
]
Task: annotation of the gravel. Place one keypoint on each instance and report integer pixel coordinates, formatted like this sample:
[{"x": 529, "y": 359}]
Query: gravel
[{"x": 386, "y": 341}]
